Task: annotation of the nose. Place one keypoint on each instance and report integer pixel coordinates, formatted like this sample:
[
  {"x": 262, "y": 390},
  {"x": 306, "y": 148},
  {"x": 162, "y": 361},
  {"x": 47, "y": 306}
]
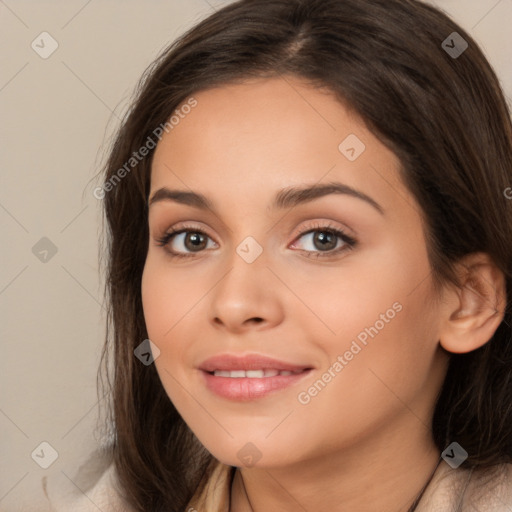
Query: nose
[{"x": 246, "y": 297}]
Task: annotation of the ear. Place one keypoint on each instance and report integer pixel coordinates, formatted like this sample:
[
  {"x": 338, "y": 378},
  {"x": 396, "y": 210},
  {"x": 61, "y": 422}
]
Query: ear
[{"x": 471, "y": 314}]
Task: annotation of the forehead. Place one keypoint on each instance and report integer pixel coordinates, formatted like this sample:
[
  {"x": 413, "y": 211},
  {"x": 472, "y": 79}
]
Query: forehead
[{"x": 263, "y": 135}]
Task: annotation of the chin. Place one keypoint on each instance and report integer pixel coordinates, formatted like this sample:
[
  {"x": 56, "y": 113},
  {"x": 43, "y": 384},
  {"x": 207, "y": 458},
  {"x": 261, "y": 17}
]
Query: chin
[{"x": 250, "y": 454}]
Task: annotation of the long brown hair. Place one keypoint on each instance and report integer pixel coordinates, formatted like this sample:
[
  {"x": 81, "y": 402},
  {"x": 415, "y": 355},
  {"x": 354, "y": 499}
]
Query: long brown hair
[{"x": 443, "y": 115}]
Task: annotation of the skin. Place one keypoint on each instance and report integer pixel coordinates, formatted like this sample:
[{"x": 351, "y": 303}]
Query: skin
[{"x": 363, "y": 442}]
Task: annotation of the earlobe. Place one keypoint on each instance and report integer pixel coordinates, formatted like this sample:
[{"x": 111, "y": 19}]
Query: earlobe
[{"x": 473, "y": 312}]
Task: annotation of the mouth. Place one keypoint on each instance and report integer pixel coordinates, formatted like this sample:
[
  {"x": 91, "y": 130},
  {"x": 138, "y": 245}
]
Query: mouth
[
  {"x": 250, "y": 377},
  {"x": 253, "y": 374},
  {"x": 249, "y": 363}
]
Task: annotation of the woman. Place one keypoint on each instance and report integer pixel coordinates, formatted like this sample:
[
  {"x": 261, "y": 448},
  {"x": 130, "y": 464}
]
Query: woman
[{"x": 309, "y": 267}]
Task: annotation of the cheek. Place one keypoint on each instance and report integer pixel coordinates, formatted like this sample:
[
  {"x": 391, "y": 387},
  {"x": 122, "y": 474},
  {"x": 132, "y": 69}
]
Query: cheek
[
  {"x": 171, "y": 303},
  {"x": 377, "y": 318},
  {"x": 167, "y": 298},
  {"x": 380, "y": 360},
  {"x": 343, "y": 302},
  {"x": 160, "y": 307},
  {"x": 163, "y": 305}
]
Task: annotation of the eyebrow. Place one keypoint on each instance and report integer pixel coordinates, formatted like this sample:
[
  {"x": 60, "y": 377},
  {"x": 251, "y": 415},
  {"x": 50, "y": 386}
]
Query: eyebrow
[{"x": 285, "y": 198}]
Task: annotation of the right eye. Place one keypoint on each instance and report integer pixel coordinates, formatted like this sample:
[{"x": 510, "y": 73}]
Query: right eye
[{"x": 185, "y": 239}]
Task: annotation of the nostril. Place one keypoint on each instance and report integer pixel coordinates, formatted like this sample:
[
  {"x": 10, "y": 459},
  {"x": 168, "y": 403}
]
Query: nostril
[{"x": 257, "y": 320}]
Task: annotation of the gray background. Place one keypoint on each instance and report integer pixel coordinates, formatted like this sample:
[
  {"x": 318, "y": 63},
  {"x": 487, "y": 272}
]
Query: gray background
[{"x": 57, "y": 116}]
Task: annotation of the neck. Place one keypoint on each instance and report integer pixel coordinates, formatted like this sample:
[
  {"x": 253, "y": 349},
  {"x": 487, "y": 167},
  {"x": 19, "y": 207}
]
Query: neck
[{"x": 387, "y": 475}]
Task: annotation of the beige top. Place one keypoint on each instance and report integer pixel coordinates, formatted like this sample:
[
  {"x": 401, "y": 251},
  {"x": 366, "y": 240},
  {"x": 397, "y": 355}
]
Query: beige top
[
  {"x": 92, "y": 488},
  {"x": 451, "y": 490}
]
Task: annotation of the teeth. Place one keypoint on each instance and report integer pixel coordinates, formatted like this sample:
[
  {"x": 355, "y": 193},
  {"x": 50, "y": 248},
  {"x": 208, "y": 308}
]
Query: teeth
[
  {"x": 255, "y": 374},
  {"x": 219, "y": 373},
  {"x": 252, "y": 374}
]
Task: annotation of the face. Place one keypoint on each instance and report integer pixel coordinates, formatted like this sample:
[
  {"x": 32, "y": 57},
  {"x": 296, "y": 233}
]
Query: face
[{"x": 290, "y": 325}]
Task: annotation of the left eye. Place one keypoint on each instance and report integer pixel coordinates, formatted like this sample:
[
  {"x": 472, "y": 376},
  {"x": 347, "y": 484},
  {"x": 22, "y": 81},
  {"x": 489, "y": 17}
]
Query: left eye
[{"x": 325, "y": 241}]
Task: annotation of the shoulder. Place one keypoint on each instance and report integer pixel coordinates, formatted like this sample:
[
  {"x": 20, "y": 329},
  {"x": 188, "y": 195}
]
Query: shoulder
[
  {"x": 485, "y": 490},
  {"x": 93, "y": 487}
]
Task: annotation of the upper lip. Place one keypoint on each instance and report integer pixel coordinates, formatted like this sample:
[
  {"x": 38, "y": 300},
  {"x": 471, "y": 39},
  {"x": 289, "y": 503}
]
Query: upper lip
[{"x": 229, "y": 362}]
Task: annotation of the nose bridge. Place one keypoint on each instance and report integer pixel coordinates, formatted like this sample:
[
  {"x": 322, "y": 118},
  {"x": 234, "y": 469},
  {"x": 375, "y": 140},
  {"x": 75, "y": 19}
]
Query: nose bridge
[
  {"x": 244, "y": 292},
  {"x": 246, "y": 273}
]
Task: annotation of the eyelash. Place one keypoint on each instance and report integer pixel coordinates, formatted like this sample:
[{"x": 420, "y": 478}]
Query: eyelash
[{"x": 349, "y": 241}]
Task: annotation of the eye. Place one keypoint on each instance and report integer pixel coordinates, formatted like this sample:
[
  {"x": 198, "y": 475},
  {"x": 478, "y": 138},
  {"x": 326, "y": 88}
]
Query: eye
[
  {"x": 186, "y": 239},
  {"x": 321, "y": 241},
  {"x": 327, "y": 239}
]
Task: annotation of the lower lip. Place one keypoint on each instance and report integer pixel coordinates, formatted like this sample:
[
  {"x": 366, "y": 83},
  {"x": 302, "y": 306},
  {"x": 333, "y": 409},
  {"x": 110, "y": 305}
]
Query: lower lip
[{"x": 250, "y": 388}]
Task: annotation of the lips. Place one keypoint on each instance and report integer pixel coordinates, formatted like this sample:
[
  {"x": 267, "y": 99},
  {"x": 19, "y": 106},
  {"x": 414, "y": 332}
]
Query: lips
[
  {"x": 234, "y": 364},
  {"x": 243, "y": 378},
  {"x": 252, "y": 374}
]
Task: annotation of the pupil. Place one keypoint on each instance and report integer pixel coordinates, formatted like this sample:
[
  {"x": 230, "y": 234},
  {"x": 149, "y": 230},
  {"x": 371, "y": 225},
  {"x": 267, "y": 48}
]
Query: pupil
[
  {"x": 195, "y": 239},
  {"x": 323, "y": 237}
]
